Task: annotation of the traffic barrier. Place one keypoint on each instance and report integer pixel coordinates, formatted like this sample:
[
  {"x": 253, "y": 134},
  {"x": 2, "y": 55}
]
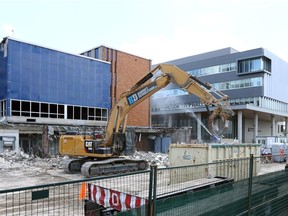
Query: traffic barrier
[{"x": 114, "y": 199}]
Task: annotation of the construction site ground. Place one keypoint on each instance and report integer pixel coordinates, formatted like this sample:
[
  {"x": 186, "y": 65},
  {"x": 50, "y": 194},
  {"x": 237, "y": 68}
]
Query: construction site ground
[{"x": 21, "y": 170}]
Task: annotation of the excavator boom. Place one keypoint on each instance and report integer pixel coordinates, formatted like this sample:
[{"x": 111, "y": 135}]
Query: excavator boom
[{"x": 145, "y": 88}]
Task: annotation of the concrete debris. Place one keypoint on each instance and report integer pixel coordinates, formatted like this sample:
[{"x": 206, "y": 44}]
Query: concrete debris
[
  {"x": 18, "y": 159},
  {"x": 159, "y": 159}
]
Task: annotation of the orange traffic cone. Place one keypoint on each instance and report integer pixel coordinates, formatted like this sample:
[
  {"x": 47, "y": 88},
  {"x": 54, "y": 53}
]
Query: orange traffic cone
[{"x": 82, "y": 194}]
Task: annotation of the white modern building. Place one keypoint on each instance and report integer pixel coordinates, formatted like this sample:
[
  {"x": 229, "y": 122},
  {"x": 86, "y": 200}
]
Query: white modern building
[{"x": 256, "y": 82}]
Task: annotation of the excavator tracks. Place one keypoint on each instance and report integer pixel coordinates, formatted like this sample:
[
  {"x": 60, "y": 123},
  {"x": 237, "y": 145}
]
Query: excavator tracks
[
  {"x": 73, "y": 165},
  {"x": 112, "y": 166}
]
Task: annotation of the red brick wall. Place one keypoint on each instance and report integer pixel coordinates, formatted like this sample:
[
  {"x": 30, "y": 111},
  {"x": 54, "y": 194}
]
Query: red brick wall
[
  {"x": 129, "y": 70},
  {"x": 126, "y": 71}
]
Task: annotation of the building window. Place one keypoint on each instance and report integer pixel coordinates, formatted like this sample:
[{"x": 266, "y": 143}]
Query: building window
[
  {"x": 53, "y": 111},
  {"x": 91, "y": 113},
  {"x": 70, "y": 112},
  {"x": 60, "y": 111},
  {"x": 267, "y": 64},
  {"x": 76, "y": 112},
  {"x": 87, "y": 113},
  {"x": 104, "y": 114},
  {"x": 254, "y": 65},
  {"x": 280, "y": 129},
  {"x": 234, "y": 84},
  {"x": 16, "y": 108},
  {"x": 84, "y": 114},
  {"x": 214, "y": 69},
  {"x": 237, "y": 84},
  {"x": 3, "y": 108},
  {"x": 44, "y": 110},
  {"x": 241, "y": 101},
  {"x": 25, "y": 108},
  {"x": 47, "y": 110},
  {"x": 35, "y": 108}
]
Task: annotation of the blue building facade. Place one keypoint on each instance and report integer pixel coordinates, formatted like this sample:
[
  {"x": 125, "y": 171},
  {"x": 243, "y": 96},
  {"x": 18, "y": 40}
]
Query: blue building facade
[
  {"x": 255, "y": 80},
  {"x": 42, "y": 85}
]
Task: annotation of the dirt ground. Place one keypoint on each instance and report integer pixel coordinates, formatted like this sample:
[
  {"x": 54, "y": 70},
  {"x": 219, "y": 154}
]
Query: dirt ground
[{"x": 18, "y": 169}]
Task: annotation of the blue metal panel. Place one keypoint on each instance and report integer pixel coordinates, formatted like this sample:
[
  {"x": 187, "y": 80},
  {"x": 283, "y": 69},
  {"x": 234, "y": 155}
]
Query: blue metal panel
[
  {"x": 161, "y": 144},
  {"x": 97, "y": 53},
  {"x": 45, "y": 76},
  {"x": 41, "y": 74},
  {"x": 3, "y": 74},
  {"x": 166, "y": 141},
  {"x": 8, "y": 105}
]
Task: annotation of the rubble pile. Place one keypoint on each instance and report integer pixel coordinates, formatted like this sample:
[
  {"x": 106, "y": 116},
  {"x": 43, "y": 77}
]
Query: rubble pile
[
  {"x": 19, "y": 159},
  {"x": 159, "y": 159}
]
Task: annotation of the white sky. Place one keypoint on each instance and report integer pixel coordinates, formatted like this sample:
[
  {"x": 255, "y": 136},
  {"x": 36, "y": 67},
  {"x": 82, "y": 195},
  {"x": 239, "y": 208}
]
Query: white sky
[{"x": 160, "y": 30}]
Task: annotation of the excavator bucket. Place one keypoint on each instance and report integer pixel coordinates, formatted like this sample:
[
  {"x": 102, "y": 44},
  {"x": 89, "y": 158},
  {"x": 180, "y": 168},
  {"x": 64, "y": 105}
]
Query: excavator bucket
[{"x": 218, "y": 122}]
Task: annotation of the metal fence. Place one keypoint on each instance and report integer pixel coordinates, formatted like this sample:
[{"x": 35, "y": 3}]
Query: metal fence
[
  {"x": 70, "y": 198},
  {"x": 229, "y": 187},
  {"x": 53, "y": 199}
]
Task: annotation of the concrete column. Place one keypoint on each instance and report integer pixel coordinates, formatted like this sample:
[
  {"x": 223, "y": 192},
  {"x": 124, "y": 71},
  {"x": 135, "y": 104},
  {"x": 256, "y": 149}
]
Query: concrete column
[
  {"x": 45, "y": 140},
  {"x": 239, "y": 132},
  {"x": 286, "y": 127},
  {"x": 255, "y": 126},
  {"x": 170, "y": 121},
  {"x": 199, "y": 139},
  {"x": 273, "y": 126},
  {"x": 65, "y": 111}
]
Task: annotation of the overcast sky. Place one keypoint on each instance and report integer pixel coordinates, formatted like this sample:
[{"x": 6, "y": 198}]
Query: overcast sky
[{"x": 160, "y": 30}]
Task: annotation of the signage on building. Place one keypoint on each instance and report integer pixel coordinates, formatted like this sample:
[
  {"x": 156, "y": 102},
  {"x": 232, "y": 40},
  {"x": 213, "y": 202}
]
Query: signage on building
[{"x": 176, "y": 107}]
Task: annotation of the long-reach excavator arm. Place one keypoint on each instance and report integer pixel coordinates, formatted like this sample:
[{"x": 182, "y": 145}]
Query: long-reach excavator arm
[
  {"x": 103, "y": 154},
  {"x": 145, "y": 88}
]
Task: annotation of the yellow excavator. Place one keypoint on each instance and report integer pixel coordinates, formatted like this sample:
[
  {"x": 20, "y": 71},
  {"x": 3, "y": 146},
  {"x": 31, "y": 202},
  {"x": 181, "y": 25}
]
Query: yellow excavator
[{"x": 95, "y": 156}]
